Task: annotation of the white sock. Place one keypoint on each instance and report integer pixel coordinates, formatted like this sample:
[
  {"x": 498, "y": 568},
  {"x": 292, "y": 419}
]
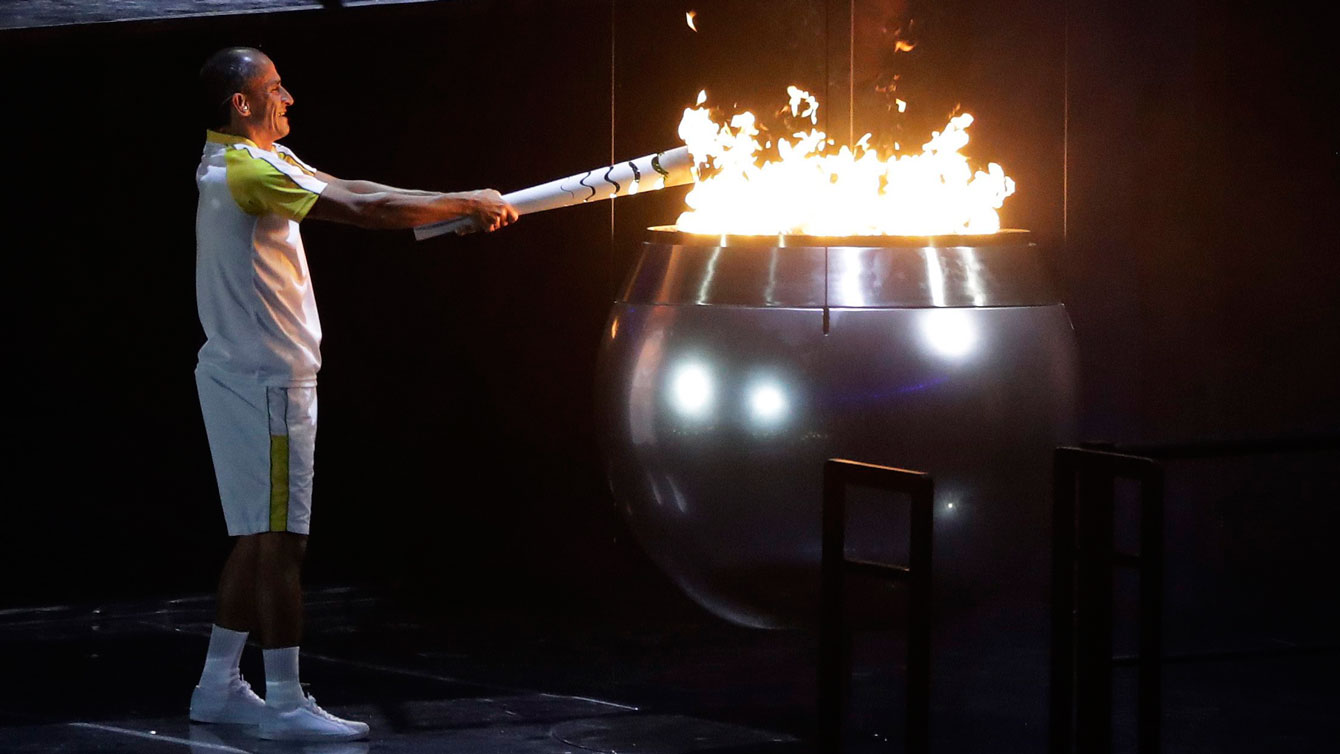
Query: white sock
[
  {"x": 282, "y": 689},
  {"x": 225, "y": 651}
]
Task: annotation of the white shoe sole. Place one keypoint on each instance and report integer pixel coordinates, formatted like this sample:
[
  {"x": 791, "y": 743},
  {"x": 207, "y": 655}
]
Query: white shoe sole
[
  {"x": 310, "y": 736},
  {"x": 219, "y": 718}
]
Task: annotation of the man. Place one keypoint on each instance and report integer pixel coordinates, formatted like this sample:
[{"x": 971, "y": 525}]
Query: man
[{"x": 257, "y": 374}]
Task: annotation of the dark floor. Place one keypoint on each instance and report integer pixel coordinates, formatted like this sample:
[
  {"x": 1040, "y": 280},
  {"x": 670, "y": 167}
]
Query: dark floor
[
  {"x": 1251, "y": 642},
  {"x": 117, "y": 678}
]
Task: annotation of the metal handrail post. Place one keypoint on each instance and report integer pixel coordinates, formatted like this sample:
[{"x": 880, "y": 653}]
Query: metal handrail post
[
  {"x": 1084, "y": 556},
  {"x": 834, "y": 637}
]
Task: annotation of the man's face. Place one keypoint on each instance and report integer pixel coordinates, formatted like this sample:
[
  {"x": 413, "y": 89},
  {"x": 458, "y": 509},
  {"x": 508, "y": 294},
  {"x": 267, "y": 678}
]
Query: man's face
[{"x": 268, "y": 102}]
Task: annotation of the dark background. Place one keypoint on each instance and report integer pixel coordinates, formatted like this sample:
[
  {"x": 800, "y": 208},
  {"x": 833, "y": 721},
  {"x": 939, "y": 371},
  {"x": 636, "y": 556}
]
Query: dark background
[{"x": 1178, "y": 162}]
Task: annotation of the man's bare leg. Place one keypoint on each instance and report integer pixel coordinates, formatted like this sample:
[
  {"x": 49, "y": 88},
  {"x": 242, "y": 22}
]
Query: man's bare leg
[
  {"x": 222, "y": 696},
  {"x": 279, "y": 613},
  {"x": 278, "y": 585},
  {"x": 289, "y": 715},
  {"x": 236, "y": 609}
]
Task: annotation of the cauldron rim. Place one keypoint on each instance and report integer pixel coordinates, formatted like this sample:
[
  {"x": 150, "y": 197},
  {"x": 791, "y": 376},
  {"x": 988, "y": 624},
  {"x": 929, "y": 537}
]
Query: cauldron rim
[
  {"x": 672, "y": 236},
  {"x": 863, "y": 272}
]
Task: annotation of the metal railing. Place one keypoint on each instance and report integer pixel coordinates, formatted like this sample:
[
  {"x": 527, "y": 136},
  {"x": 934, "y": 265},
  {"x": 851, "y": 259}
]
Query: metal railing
[
  {"x": 834, "y": 638},
  {"x": 1085, "y": 557}
]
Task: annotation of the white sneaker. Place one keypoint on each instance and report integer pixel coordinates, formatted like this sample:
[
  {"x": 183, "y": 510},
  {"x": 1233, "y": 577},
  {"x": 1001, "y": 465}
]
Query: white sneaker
[
  {"x": 235, "y": 703},
  {"x": 308, "y": 722}
]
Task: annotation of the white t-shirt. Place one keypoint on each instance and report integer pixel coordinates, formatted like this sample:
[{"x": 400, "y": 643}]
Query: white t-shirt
[{"x": 252, "y": 286}]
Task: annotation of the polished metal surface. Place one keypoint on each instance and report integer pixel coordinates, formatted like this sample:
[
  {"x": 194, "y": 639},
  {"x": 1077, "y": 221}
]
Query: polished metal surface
[
  {"x": 717, "y": 420},
  {"x": 688, "y": 274},
  {"x": 722, "y": 394},
  {"x": 1003, "y": 269}
]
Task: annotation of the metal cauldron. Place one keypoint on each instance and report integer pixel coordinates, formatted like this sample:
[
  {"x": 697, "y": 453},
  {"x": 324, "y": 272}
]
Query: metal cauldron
[{"x": 733, "y": 366}]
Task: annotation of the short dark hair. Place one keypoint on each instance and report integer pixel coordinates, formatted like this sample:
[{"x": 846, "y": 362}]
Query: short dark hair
[{"x": 225, "y": 72}]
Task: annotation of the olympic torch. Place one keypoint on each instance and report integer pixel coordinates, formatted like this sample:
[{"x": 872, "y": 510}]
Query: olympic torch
[{"x": 647, "y": 173}]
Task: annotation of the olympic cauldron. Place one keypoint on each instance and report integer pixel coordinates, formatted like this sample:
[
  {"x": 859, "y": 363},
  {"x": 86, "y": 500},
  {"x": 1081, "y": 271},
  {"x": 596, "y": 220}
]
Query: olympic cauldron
[{"x": 733, "y": 366}]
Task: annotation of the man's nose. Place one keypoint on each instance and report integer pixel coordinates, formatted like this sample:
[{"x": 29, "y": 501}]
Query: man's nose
[{"x": 288, "y": 98}]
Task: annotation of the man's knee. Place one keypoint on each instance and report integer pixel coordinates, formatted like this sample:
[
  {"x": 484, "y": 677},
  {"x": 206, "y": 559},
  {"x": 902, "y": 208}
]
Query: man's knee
[
  {"x": 246, "y": 545},
  {"x": 281, "y": 545}
]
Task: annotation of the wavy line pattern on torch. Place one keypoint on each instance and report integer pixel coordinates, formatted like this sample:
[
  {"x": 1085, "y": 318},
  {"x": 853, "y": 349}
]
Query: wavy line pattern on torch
[
  {"x": 674, "y": 166},
  {"x": 564, "y": 188},
  {"x": 656, "y": 164},
  {"x": 582, "y": 181},
  {"x": 611, "y": 181}
]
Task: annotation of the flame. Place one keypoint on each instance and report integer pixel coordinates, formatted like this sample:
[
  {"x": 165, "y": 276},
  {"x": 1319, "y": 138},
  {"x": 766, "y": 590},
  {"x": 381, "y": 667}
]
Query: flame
[
  {"x": 902, "y": 46},
  {"x": 798, "y": 97},
  {"x": 689, "y": 18},
  {"x": 812, "y": 189}
]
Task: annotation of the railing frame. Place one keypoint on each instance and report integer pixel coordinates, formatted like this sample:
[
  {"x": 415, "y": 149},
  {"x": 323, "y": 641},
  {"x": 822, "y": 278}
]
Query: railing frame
[
  {"x": 834, "y": 631},
  {"x": 1084, "y": 559}
]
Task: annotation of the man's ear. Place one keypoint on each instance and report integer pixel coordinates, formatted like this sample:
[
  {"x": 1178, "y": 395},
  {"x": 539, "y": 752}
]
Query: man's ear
[{"x": 239, "y": 101}]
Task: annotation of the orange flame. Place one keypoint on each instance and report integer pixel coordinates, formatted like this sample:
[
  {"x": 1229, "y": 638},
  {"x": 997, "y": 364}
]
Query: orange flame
[
  {"x": 689, "y": 17},
  {"x": 812, "y": 189}
]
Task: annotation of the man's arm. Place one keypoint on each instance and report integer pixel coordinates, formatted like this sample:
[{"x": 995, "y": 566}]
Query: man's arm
[
  {"x": 386, "y": 207},
  {"x": 368, "y": 187}
]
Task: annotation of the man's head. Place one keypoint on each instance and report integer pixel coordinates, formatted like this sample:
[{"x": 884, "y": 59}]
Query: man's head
[{"x": 244, "y": 96}]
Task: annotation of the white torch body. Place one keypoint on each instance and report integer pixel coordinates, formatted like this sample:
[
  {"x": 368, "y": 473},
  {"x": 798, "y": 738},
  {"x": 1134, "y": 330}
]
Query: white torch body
[{"x": 647, "y": 173}]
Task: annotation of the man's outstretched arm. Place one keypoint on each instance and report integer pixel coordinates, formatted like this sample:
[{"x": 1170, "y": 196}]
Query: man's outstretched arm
[
  {"x": 373, "y": 205},
  {"x": 368, "y": 187}
]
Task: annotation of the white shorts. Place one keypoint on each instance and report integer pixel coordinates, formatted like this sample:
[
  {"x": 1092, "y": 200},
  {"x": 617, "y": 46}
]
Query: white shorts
[{"x": 263, "y": 440}]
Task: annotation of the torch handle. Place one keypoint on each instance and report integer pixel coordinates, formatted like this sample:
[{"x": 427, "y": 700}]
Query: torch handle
[{"x": 647, "y": 173}]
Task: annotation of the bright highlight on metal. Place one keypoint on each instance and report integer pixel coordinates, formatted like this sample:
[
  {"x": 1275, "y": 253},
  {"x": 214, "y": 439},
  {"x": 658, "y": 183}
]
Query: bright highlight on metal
[
  {"x": 767, "y": 403},
  {"x": 949, "y": 332},
  {"x": 691, "y": 390}
]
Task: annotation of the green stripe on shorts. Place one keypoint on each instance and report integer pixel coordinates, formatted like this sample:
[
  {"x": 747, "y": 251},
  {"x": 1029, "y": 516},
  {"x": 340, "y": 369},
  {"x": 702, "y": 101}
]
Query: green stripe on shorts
[{"x": 278, "y": 482}]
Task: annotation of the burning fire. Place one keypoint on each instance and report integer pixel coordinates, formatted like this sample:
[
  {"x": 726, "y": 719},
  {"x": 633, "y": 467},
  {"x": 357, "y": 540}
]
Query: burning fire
[{"x": 812, "y": 189}]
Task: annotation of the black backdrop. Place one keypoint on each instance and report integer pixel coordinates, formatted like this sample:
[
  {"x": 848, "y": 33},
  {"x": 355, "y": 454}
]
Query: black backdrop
[{"x": 1179, "y": 164}]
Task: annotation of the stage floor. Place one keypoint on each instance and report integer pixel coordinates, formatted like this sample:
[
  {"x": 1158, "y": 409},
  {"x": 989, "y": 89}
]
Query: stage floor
[{"x": 117, "y": 677}]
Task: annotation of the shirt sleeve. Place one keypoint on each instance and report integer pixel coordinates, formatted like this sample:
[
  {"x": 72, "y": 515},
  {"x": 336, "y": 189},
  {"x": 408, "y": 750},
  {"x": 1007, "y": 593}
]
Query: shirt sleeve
[
  {"x": 262, "y": 186},
  {"x": 290, "y": 156}
]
